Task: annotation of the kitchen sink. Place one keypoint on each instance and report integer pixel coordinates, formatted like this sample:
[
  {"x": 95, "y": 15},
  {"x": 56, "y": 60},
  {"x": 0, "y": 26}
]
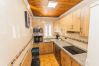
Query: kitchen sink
[{"x": 74, "y": 50}]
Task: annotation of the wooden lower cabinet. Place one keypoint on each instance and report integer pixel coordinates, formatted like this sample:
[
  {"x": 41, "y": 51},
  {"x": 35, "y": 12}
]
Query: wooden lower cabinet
[
  {"x": 45, "y": 47},
  {"x": 27, "y": 59},
  {"x": 74, "y": 63},
  {"x": 66, "y": 60},
  {"x": 57, "y": 54}
]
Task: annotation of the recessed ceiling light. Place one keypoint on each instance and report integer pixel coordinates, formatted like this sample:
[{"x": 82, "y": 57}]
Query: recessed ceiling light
[{"x": 52, "y": 4}]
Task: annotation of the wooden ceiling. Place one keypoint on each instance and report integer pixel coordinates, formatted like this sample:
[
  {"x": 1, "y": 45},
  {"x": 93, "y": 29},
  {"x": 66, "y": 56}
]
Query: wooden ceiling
[{"x": 40, "y": 9}]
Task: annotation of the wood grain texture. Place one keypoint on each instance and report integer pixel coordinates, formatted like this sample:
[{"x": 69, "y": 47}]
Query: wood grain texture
[
  {"x": 65, "y": 59},
  {"x": 27, "y": 59},
  {"x": 76, "y": 20},
  {"x": 39, "y": 7},
  {"x": 85, "y": 21},
  {"x": 74, "y": 63},
  {"x": 45, "y": 47},
  {"x": 48, "y": 60}
]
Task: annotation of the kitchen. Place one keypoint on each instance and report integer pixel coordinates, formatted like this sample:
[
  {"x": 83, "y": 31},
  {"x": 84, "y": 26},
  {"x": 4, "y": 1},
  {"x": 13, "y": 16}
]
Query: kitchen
[
  {"x": 73, "y": 35},
  {"x": 60, "y": 33}
]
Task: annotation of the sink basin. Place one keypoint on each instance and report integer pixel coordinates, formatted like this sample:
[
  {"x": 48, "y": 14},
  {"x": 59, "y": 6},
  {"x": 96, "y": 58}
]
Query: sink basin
[{"x": 74, "y": 50}]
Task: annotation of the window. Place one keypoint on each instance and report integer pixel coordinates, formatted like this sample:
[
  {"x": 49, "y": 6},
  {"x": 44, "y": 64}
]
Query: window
[{"x": 48, "y": 30}]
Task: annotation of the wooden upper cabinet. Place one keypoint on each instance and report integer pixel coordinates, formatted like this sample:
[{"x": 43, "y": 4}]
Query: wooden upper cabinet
[
  {"x": 85, "y": 17},
  {"x": 56, "y": 26},
  {"x": 77, "y": 21},
  {"x": 69, "y": 22},
  {"x": 76, "y": 18},
  {"x": 73, "y": 21}
]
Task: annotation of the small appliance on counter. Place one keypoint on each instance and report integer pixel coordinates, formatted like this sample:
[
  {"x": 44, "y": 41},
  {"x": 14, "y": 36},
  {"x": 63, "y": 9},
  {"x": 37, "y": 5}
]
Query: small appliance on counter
[{"x": 57, "y": 36}]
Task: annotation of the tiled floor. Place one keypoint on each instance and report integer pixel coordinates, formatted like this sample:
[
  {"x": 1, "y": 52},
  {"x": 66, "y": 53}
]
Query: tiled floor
[{"x": 48, "y": 60}]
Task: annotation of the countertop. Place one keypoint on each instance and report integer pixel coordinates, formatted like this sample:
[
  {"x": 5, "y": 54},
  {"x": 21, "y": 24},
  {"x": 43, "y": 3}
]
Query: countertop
[{"x": 80, "y": 58}]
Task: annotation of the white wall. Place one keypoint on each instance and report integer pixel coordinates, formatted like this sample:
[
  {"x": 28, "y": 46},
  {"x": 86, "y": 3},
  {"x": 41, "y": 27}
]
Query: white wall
[
  {"x": 93, "y": 45},
  {"x": 13, "y": 34},
  {"x": 22, "y": 56}
]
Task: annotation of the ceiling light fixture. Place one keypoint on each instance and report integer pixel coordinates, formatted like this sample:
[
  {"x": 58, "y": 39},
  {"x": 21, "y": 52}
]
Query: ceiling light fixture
[{"x": 52, "y": 4}]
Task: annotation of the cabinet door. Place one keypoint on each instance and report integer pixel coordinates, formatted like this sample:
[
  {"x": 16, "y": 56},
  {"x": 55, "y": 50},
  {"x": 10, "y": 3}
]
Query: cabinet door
[
  {"x": 62, "y": 59},
  {"x": 46, "y": 48},
  {"x": 66, "y": 60},
  {"x": 85, "y": 14},
  {"x": 76, "y": 20},
  {"x": 49, "y": 47},
  {"x": 57, "y": 53},
  {"x": 41, "y": 49},
  {"x": 27, "y": 59},
  {"x": 69, "y": 22},
  {"x": 74, "y": 63}
]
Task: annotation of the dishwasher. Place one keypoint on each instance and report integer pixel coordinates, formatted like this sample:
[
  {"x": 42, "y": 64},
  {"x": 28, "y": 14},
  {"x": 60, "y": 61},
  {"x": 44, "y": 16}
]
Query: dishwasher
[{"x": 57, "y": 50}]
